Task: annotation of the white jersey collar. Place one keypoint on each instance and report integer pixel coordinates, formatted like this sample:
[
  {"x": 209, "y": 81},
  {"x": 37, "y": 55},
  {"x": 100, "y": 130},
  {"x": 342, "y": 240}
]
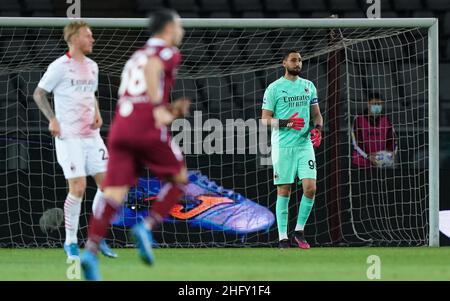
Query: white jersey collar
[{"x": 156, "y": 42}]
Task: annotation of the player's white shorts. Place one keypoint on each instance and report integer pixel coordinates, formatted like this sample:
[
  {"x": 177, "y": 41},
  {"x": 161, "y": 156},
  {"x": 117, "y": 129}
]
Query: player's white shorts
[{"x": 80, "y": 157}]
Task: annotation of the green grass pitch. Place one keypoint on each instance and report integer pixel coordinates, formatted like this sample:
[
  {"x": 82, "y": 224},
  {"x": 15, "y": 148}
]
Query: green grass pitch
[{"x": 238, "y": 264}]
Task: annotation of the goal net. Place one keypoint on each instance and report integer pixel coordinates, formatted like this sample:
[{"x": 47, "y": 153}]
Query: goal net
[{"x": 225, "y": 71}]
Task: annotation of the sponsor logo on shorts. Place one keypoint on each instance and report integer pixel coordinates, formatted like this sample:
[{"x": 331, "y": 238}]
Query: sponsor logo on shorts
[{"x": 72, "y": 167}]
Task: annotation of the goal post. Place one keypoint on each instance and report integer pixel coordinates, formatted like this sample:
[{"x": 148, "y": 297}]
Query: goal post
[
  {"x": 433, "y": 95},
  {"x": 236, "y": 56}
]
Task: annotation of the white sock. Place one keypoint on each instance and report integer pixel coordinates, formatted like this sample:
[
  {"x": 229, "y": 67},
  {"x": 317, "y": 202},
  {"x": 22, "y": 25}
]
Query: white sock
[
  {"x": 72, "y": 208},
  {"x": 299, "y": 227},
  {"x": 98, "y": 205},
  {"x": 283, "y": 236}
]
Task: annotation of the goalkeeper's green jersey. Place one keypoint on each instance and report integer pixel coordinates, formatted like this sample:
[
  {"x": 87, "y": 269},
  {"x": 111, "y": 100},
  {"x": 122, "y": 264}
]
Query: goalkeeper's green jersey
[{"x": 284, "y": 98}]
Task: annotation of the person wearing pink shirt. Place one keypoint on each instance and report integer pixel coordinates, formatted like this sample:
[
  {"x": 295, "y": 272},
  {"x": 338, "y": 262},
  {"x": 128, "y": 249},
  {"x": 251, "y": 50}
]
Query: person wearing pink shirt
[{"x": 373, "y": 136}]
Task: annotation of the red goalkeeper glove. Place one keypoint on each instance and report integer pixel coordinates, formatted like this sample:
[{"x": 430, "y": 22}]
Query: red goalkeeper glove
[
  {"x": 294, "y": 122},
  {"x": 316, "y": 137}
]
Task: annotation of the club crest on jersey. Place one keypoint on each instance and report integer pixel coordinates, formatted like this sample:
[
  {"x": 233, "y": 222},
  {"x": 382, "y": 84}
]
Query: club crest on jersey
[
  {"x": 166, "y": 54},
  {"x": 306, "y": 90},
  {"x": 126, "y": 108}
]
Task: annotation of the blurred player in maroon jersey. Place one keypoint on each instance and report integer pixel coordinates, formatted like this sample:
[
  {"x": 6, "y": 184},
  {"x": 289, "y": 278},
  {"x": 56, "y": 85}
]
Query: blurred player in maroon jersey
[{"x": 139, "y": 137}]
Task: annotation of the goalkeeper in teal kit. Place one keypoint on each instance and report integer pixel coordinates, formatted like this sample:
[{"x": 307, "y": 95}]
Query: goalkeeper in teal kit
[{"x": 289, "y": 104}]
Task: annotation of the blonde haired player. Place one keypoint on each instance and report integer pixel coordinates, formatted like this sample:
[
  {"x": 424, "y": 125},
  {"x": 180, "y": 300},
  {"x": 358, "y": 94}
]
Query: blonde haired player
[{"x": 75, "y": 124}]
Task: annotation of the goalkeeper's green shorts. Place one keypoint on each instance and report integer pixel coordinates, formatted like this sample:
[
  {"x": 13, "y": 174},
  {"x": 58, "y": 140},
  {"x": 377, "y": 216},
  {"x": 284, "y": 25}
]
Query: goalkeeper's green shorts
[{"x": 290, "y": 162}]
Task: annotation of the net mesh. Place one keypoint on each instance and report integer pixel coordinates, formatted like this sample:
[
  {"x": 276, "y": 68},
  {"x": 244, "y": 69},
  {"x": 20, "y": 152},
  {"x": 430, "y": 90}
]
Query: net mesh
[{"x": 225, "y": 73}]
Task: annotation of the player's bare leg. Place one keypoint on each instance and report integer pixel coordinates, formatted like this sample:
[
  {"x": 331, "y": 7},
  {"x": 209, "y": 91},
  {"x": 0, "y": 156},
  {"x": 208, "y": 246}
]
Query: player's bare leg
[
  {"x": 116, "y": 194},
  {"x": 77, "y": 186},
  {"x": 284, "y": 190},
  {"x": 72, "y": 208},
  {"x": 282, "y": 209},
  {"x": 97, "y": 207},
  {"x": 306, "y": 204}
]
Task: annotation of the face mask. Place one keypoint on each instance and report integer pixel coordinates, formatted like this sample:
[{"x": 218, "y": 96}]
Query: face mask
[{"x": 376, "y": 109}]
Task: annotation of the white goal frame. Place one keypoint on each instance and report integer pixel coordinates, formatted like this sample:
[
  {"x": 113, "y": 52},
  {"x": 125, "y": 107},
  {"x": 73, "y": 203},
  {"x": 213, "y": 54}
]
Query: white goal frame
[{"x": 433, "y": 67}]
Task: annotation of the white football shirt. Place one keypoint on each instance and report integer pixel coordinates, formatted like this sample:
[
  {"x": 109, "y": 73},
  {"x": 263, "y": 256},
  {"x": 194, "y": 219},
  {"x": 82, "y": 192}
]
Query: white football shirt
[{"x": 73, "y": 84}]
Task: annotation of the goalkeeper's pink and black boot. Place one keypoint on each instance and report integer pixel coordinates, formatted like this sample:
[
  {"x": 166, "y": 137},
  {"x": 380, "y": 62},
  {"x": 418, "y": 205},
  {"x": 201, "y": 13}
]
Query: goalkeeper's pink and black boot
[{"x": 299, "y": 239}]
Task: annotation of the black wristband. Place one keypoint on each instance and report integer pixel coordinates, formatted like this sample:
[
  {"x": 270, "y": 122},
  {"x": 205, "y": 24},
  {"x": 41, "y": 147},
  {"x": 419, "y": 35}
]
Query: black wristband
[{"x": 283, "y": 123}]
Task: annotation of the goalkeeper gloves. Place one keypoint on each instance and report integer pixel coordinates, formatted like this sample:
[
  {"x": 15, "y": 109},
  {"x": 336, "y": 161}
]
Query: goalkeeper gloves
[
  {"x": 294, "y": 122},
  {"x": 316, "y": 137}
]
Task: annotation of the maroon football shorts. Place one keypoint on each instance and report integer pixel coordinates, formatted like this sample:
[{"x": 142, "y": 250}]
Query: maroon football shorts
[{"x": 135, "y": 144}]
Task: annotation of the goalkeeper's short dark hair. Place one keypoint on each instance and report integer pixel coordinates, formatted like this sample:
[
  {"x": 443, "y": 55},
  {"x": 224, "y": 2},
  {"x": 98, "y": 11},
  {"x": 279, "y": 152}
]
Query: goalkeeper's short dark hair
[
  {"x": 159, "y": 19},
  {"x": 289, "y": 51}
]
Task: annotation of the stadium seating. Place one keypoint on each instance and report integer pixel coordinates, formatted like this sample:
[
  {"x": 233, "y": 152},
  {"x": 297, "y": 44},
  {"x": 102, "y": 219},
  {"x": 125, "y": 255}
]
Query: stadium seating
[
  {"x": 212, "y": 6},
  {"x": 390, "y": 14},
  {"x": 343, "y": 5},
  {"x": 188, "y": 14},
  {"x": 38, "y": 5},
  {"x": 444, "y": 76},
  {"x": 438, "y": 4},
  {"x": 10, "y": 13},
  {"x": 402, "y": 5},
  {"x": 353, "y": 14},
  {"x": 248, "y": 5},
  {"x": 220, "y": 14},
  {"x": 184, "y": 5},
  {"x": 257, "y": 9},
  {"x": 320, "y": 14},
  {"x": 289, "y": 15},
  {"x": 446, "y": 24},
  {"x": 253, "y": 14},
  {"x": 10, "y": 5},
  {"x": 148, "y": 5},
  {"x": 43, "y": 13},
  {"x": 310, "y": 6},
  {"x": 10, "y": 8},
  {"x": 279, "y": 5}
]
